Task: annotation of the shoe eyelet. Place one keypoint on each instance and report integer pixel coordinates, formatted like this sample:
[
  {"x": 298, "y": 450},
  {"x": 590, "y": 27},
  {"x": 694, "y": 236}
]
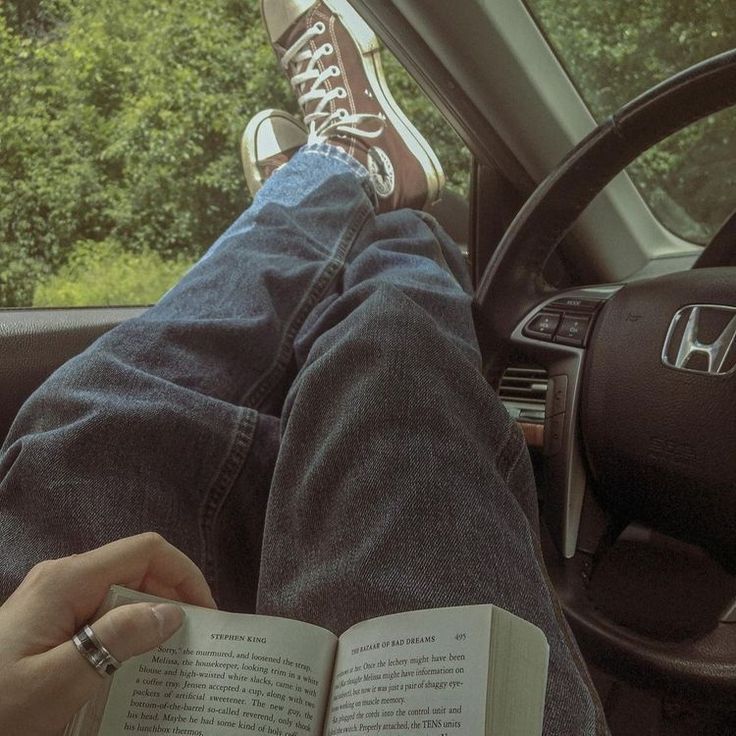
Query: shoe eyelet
[
  {"x": 341, "y": 112},
  {"x": 328, "y": 49},
  {"x": 341, "y": 93},
  {"x": 319, "y": 27},
  {"x": 335, "y": 71}
]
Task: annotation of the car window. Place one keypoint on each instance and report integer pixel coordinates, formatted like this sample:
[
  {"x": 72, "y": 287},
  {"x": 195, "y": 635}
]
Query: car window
[
  {"x": 119, "y": 138},
  {"x": 615, "y": 50}
]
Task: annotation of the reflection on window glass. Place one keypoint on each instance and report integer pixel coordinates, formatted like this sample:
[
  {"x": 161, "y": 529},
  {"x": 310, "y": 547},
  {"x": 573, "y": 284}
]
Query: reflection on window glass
[
  {"x": 617, "y": 49},
  {"x": 119, "y": 135}
]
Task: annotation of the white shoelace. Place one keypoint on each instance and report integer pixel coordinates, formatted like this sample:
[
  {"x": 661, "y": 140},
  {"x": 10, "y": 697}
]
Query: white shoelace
[{"x": 301, "y": 61}]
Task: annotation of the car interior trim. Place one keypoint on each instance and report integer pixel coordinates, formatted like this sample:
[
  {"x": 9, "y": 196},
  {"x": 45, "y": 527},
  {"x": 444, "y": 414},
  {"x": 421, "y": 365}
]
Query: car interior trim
[
  {"x": 34, "y": 342},
  {"x": 496, "y": 52},
  {"x": 564, "y": 466}
]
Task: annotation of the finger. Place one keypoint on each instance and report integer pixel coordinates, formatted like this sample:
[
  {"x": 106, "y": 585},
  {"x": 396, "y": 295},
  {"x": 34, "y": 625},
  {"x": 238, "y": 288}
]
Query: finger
[
  {"x": 145, "y": 562},
  {"x": 58, "y": 596},
  {"x": 149, "y": 561},
  {"x": 130, "y": 630},
  {"x": 125, "y": 632}
]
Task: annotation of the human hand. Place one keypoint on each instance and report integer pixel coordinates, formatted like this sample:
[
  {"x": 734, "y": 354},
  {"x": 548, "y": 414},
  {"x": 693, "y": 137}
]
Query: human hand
[{"x": 44, "y": 680}]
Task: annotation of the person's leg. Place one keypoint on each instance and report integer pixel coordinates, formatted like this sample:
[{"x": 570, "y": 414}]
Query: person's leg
[
  {"x": 402, "y": 483},
  {"x": 149, "y": 429},
  {"x": 165, "y": 422}
]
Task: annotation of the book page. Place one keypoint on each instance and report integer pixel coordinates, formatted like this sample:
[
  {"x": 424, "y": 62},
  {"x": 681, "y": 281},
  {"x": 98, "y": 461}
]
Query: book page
[
  {"x": 424, "y": 672},
  {"x": 224, "y": 674}
]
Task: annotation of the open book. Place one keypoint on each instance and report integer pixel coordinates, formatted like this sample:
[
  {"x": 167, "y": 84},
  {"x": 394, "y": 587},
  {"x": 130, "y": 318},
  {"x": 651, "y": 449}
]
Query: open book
[{"x": 465, "y": 671}]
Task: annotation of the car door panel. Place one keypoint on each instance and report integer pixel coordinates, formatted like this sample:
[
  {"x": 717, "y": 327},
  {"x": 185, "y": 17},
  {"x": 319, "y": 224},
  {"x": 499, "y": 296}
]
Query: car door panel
[{"x": 34, "y": 342}]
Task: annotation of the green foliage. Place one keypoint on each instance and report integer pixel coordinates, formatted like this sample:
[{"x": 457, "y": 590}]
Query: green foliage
[
  {"x": 104, "y": 273},
  {"x": 617, "y": 49},
  {"x": 121, "y": 122}
]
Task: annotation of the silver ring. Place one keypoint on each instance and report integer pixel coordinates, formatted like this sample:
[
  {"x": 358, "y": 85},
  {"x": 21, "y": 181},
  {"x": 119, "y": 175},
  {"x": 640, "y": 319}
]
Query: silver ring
[{"x": 94, "y": 651}]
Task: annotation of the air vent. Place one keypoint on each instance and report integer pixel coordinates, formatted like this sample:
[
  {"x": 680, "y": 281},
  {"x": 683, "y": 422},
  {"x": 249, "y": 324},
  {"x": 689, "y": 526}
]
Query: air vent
[{"x": 523, "y": 390}]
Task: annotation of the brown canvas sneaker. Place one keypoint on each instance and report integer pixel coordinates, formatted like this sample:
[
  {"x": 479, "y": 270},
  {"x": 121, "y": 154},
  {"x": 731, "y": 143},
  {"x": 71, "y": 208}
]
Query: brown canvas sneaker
[
  {"x": 270, "y": 139},
  {"x": 331, "y": 57}
]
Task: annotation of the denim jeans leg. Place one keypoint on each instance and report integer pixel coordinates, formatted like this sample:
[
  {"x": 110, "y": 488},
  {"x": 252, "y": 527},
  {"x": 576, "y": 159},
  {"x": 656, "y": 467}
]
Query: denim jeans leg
[
  {"x": 167, "y": 422},
  {"x": 402, "y": 483}
]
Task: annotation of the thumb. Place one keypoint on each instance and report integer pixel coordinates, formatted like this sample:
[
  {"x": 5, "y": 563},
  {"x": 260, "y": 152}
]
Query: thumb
[
  {"x": 126, "y": 631},
  {"x": 130, "y": 630}
]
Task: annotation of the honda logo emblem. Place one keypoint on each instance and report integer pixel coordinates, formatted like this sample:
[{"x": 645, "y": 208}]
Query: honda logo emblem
[{"x": 702, "y": 339}]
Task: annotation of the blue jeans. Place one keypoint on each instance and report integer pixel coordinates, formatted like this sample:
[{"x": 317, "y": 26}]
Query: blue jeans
[{"x": 305, "y": 417}]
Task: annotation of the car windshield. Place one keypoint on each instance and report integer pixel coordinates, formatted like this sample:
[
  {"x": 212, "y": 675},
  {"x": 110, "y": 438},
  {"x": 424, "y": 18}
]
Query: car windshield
[{"x": 616, "y": 50}]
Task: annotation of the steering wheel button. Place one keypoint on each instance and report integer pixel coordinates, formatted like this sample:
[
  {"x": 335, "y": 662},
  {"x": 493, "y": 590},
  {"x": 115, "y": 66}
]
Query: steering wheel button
[
  {"x": 543, "y": 326},
  {"x": 573, "y": 330},
  {"x": 575, "y": 304}
]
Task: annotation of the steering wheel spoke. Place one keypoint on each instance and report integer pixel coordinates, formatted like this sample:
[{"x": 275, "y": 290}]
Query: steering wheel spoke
[{"x": 554, "y": 334}]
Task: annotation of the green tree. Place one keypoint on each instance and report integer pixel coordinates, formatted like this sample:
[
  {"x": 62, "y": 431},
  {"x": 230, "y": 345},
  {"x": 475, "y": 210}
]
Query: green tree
[
  {"x": 105, "y": 274},
  {"x": 617, "y": 49},
  {"x": 122, "y": 123}
]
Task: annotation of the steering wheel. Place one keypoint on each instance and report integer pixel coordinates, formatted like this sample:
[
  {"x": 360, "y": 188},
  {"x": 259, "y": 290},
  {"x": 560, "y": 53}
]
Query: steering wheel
[{"x": 642, "y": 398}]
